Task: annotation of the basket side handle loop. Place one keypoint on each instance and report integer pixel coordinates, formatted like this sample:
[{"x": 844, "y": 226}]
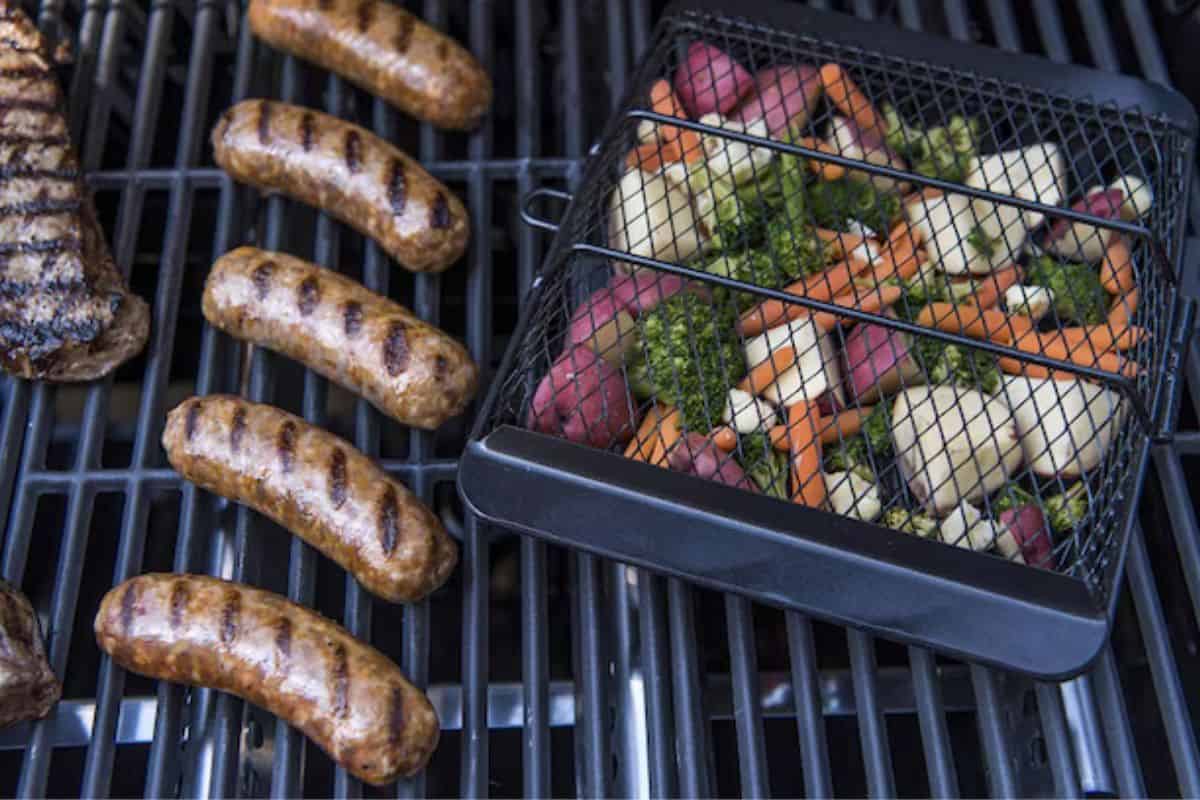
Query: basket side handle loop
[{"x": 530, "y": 218}]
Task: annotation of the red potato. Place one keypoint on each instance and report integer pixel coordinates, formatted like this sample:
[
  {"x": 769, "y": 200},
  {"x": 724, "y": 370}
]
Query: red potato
[
  {"x": 698, "y": 455},
  {"x": 783, "y": 96},
  {"x": 830, "y": 404},
  {"x": 1079, "y": 241},
  {"x": 878, "y": 361},
  {"x": 602, "y": 325},
  {"x": 1028, "y": 526},
  {"x": 583, "y": 399},
  {"x": 643, "y": 290},
  {"x": 709, "y": 80}
]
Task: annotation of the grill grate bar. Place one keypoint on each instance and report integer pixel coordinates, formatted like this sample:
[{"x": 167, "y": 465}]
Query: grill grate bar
[
  {"x": 1172, "y": 702},
  {"x": 807, "y": 690},
  {"x": 1054, "y": 725},
  {"x": 1183, "y": 518},
  {"x": 931, "y": 716},
  {"x": 1001, "y": 780},
  {"x": 872, "y": 731},
  {"x": 1117, "y": 733},
  {"x": 747, "y": 714},
  {"x": 690, "y": 721},
  {"x": 1004, "y": 25},
  {"x": 592, "y": 714},
  {"x": 660, "y": 751}
]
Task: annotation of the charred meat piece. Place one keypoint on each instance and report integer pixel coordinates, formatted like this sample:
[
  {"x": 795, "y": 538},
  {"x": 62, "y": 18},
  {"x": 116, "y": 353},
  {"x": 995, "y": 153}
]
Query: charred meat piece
[
  {"x": 28, "y": 687},
  {"x": 65, "y": 312}
]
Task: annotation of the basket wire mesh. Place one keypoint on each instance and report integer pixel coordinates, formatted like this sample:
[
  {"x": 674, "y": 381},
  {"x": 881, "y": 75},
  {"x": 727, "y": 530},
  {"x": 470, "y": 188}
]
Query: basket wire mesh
[{"x": 942, "y": 302}]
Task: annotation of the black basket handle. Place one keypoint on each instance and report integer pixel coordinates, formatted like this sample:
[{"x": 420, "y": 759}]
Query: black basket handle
[{"x": 530, "y": 218}]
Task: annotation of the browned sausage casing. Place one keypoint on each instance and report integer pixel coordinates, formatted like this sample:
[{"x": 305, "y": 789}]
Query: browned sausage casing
[
  {"x": 345, "y": 695},
  {"x": 350, "y": 173},
  {"x": 315, "y": 485},
  {"x": 385, "y": 50},
  {"x": 374, "y": 347}
]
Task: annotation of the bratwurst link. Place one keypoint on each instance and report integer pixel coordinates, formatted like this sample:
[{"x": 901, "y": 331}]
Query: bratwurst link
[
  {"x": 374, "y": 347},
  {"x": 348, "y": 172},
  {"x": 345, "y": 695},
  {"x": 385, "y": 50},
  {"x": 318, "y": 487}
]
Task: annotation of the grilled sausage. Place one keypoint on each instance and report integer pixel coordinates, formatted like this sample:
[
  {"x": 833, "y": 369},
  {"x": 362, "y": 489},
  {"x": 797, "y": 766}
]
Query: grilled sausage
[
  {"x": 385, "y": 50},
  {"x": 347, "y": 171},
  {"x": 337, "y": 327},
  {"x": 345, "y": 695},
  {"x": 315, "y": 485},
  {"x": 28, "y": 686}
]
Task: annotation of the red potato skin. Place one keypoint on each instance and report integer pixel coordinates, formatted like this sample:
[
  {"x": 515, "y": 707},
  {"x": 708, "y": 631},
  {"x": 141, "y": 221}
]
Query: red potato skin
[
  {"x": 598, "y": 309},
  {"x": 385, "y": 50},
  {"x": 1029, "y": 528},
  {"x": 709, "y": 80},
  {"x": 644, "y": 290},
  {"x": 345, "y": 695},
  {"x": 583, "y": 399},
  {"x": 878, "y": 361},
  {"x": 784, "y": 96},
  {"x": 698, "y": 455},
  {"x": 1105, "y": 205}
]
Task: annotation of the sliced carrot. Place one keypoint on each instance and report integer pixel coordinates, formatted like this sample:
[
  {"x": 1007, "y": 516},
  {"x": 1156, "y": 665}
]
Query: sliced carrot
[
  {"x": 920, "y": 195},
  {"x": 651, "y": 157},
  {"x": 838, "y": 244},
  {"x": 641, "y": 446},
  {"x": 1053, "y": 345},
  {"x": 850, "y": 100},
  {"x": 823, "y": 286},
  {"x": 725, "y": 438},
  {"x": 901, "y": 261},
  {"x": 808, "y": 485},
  {"x": 979, "y": 323},
  {"x": 689, "y": 144},
  {"x": 1014, "y": 366},
  {"x": 844, "y": 424},
  {"x": 827, "y": 170},
  {"x": 765, "y": 373},
  {"x": 1116, "y": 270},
  {"x": 664, "y": 101},
  {"x": 780, "y": 438},
  {"x": 1103, "y": 338},
  {"x": 669, "y": 435},
  {"x": 1120, "y": 313},
  {"x": 989, "y": 290},
  {"x": 872, "y": 299},
  {"x": 904, "y": 232}
]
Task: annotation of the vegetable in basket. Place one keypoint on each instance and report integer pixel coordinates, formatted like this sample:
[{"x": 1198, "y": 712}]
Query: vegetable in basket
[
  {"x": 854, "y": 454},
  {"x": 835, "y": 204},
  {"x": 583, "y": 399},
  {"x": 698, "y": 455},
  {"x": 1067, "y": 509},
  {"x": 1078, "y": 295},
  {"x": 766, "y": 466},
  {"x": 945, "y": 151},
  {"x": 917, "y": 523},
  {"x": 1065, "y": 426},
  {"x": 1023, "y": 525}
]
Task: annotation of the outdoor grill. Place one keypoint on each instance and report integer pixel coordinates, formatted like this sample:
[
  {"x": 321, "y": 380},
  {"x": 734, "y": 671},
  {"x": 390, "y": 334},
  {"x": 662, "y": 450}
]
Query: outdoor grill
[{"x": 553, "y": 672}]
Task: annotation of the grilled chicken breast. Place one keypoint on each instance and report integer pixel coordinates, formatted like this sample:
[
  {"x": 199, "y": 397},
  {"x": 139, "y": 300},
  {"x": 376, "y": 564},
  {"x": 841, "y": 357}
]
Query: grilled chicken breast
[{"x": 65, "y": 312}]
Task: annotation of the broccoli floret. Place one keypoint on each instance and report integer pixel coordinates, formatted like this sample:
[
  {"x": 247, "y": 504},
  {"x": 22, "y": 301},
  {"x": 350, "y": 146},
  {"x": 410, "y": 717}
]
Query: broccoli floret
[
  {"x": 691, "y": 356},
  {"x": 797, "y": 248},
  {"x": 961, "y": 366},
  {"x": 833, "y": 204},
  {"x": 1011, "y": 496},
  {"x": 1078, "y": 295},
  {"x": 1065, "y": 511},
  {"x": 853, "y": 454},
  {"x": 765, "y": 465},
  {"x": 943, "y": 152},
  {"x": 741, "y": 222},
  {"x": 901, "y": 519},
  {"x": 877, "y": 429}
]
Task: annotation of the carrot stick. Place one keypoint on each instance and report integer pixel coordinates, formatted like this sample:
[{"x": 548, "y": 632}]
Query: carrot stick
[
  {"x": 724, "y": 437},
  {"x": 839, "y": 427},
  {"x": 977, "y": 322},
  {"x": 642, "y": 444},
  {"x": 827, "y": 170},
  {"x": 651, "y": 156},
  {"x": 689, "y": 144},
  {"x": 992, "y": 288},
  {"x": 850, "y": 100},
  {"x": 1102, "y": 338},
  {"x": 664, "y": 101},
  {"x": 900, "y": 261},
  {"x": 763, "y": 374},
  {"x": 1054, "y": 346},
  {"x": 808, "y": 485},
  {"x": 873, "y": 298},
  {"x": 669, "y": 435},
  {"x": 1015, "y": 366},
  {"x": 838, "y": 244},
  {"x": 822, "y": 286},
  {"x": 1120, "y": 313},
  {"x": 1116, "y": 270},
  {"x": 904, "y": 232},
  {"x": 780, "y": 438}
]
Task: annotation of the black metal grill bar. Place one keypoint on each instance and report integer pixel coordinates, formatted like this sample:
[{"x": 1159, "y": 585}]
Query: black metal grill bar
[
  {"x": 992, "y": 741},
  {"x": 814, "y": 753},
  {"x": 872, "y": 731},
  {"x": 690, "y": 721},
  {"x": 931, "y": 716},
  {"x": 1118, "y": 735},
  {"x": 1058, "y": 750},
  {"x": 743, "y": 673},
  {"x": 660, "y": 749}
]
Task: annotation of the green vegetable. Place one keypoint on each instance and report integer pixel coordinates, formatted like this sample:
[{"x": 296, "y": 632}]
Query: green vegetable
[
  {"x": 833, "y": 204},
  {"x": 766, "y": 466},
  {"x": 1065, "y": 511},
  {"x": 960, "y": 366},
  {"x": 1078, "y": 295},
  {"x": 901, "y": 519},
  {"x": 797, "y": 248},
  {"x": 852, "y": 454},
  {"x": 690, "y": 357},
  {"x": 944, "y": 152},
  {"x": 1011, "y": 496},
  {"x": 983, "y": 244}
]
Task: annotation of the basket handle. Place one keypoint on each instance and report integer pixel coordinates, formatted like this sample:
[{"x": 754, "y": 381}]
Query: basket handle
[{"x": 530, "y": 218}]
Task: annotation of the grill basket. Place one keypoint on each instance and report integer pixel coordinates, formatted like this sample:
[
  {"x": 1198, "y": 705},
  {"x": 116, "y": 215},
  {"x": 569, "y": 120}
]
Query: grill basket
[{"x": 1012, "y": 417}]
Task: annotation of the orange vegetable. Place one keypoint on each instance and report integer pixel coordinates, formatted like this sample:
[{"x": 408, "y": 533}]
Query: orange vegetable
[
  {"x": 1120, "y": 313},
  {"x": 872, "y": 298},
  {"x": 841, "y": 426},
  {"x": 850, "y": 100},
  {"x": 1109, "y": 362},
  {"x": 765, "y": 373},
  {"x": 669, "y": 435},
  {"x": 725, "y": 438},
  {"x": 827, "y": 170},
  {"x": 808, "y": 484},
  {"x": 1054, "y": 345},
  {"x": 1102, "y": 338},
  {"x": 641, "y": 446},
  {"x": 822, "y": 286},
  {"x": 989, "y": 290},
  {"x": 1015, "y": 366},
  {"x": 980, "y": 323},
  {"x": 1116, "y": 270},
  {"x": 651, "y": 156}
]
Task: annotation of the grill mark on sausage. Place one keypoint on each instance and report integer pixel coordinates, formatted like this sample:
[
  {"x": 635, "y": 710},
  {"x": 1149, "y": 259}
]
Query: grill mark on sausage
[
  {"x": 285, "y": 443},
  {"x": 283, "y": 637},
  {"x": 264, "y": 122},
  {"x": 45, "y": 141},
  {"x": 307, "y": 120},
  {"x": 341, "y": 682},
  {"x": 352, "y": 318},
  {"x": 26, "y": 72},
  {"x": 403, "y": 37},
  {"x": 40, "y": 208},
  {"x": 11, "y": 170},
  {"x": 389, "y": 521},
  {"x": 261, "y": 277},
  {"x": 398, "y": 187},
  {"x": 439, "y": 216},
  {"x": 193, "y": 417},
  {"x": 337, "y": 477},
  {"x": 366, "y": 14},
  {"x": 231, "y": 612},
  {"x": 42, "y": 106},
  {"x": 180, "y": 594},
  {"x": 308, "y": 295},
  {"x": 353, "y": 151},
  {"x": 396, "y": 716},
  {"x": 395, "y": 349},
  {"x": 129, "y": 605},
  {"x": 238, "y": 430},
  {"x": 47, "y": 246}
]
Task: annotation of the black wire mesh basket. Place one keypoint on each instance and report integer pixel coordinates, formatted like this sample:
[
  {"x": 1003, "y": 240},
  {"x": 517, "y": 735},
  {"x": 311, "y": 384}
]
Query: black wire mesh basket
[{"x": 858, "y": 322}]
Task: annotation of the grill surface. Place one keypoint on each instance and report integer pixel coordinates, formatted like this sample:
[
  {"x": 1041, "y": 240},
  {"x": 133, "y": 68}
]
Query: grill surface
[{"x": 553, "y": 672}]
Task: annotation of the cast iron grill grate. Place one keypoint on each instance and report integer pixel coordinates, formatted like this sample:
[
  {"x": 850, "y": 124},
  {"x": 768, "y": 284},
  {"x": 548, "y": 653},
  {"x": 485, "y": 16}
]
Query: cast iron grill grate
[{"x": 712, "y": 695}]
